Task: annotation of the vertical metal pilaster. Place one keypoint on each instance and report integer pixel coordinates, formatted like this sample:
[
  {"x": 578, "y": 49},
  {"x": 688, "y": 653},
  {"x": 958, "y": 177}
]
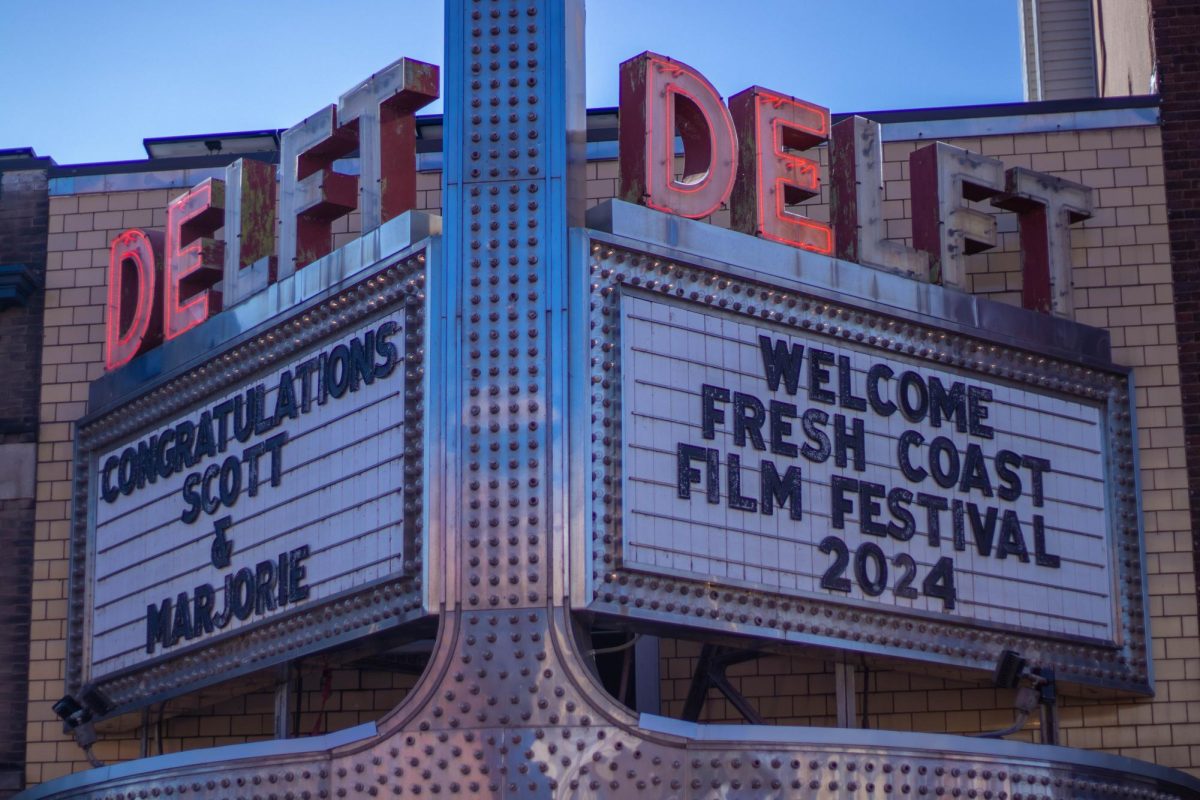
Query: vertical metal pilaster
[
  {"x": 285, "y": 682},
  {"x": 510, "y": 103},
  {"x": 847, "y": 706},
  {"x": 648, "y": 678}
]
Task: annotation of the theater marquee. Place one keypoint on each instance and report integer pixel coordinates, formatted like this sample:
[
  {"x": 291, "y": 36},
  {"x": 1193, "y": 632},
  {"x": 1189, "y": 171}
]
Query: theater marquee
[
  {"x": 281, "y": 491},
  {"x": 253, "y": 489},
  {"x": 812, "y": 451},
  {"x": 800, "y": 429},
  {"x": 265, "y": 502}
]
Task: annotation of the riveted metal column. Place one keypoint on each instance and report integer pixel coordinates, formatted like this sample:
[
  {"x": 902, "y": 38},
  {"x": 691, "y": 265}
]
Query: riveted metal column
[{"x": 509, "y": 96}]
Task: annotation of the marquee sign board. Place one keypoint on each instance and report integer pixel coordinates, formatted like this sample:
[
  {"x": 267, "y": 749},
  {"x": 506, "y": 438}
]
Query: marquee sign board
[
  {"x": 263, "y": 503},
  {"x": 283, "y": 490},
  {"x": 808, "y": 465},
  {"x": 786, "y": 460}
]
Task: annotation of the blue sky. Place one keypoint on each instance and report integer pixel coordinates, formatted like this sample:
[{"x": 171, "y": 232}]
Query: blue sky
[{"x": 85, "y": 80}]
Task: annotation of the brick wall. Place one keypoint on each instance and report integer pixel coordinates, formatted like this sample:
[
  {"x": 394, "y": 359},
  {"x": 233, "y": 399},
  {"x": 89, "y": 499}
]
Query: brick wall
[
  {"x": 23, "y": 220},
  {"x": 1123, "y": 281},
  {"x": 1176, "y": 31},
  {"x": 80, "y": 229}
]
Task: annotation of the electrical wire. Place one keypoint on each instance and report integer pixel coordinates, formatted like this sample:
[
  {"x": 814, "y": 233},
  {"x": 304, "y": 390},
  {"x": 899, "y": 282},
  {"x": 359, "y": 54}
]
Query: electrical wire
[
  {"x": 91, "y": 757},
  {"x": 599, "y": 651},
  {"x": 1022, "y": 718}
]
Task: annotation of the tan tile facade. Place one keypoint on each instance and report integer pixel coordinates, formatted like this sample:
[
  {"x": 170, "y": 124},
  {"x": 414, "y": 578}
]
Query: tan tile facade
[{"x": 1123, "y": 282}]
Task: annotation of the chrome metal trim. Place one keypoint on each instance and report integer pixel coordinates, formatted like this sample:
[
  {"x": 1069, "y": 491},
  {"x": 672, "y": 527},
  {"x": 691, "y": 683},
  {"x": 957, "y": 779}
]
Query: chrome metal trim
[
  {"x": 438, "y": 433},
  {"x": 1135, "y": 455},
  {"x": 208, "y": 757},
  {"x": 583, "y": 502},
  {"x": 935, "y": 745}
]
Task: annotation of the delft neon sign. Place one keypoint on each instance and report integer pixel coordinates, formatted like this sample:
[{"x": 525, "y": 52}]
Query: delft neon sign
[{"x": 754, "y": 156}]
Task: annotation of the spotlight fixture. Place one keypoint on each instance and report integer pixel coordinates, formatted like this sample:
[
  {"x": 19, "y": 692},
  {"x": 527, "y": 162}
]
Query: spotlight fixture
[
  {"x": 71, "y": 712},
  {"x": 77, "y": 721},
  {"x": 1008, "y": 670},
  {"x": 1035, "y": 688}
]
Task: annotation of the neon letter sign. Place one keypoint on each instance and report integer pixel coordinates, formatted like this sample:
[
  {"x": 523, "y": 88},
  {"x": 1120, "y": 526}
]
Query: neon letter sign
[
  {"x": 662, "y": 99},
  {"x": 770, "y": 178},
  {"x": 1046, "y": 207},
  {"x": 195, "y": 261},
  {"x": 132, "y": 315},
  {"x": 381, "y": 109}
]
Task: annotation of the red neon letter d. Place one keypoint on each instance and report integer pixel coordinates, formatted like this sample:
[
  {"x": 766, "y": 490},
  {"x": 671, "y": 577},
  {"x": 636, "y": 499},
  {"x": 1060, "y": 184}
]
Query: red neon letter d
[
  {"x": 133, "y": 314},
  {"x": 662, "y": 99}
]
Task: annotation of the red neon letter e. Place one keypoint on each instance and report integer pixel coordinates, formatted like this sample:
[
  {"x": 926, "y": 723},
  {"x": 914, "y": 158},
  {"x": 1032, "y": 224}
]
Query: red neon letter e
[
  {"x": 133, "y": 310},
  {"x": 194, "y": 261},
  {"x": 662, "y": 99},
  {"x": 770, "y": 178}
]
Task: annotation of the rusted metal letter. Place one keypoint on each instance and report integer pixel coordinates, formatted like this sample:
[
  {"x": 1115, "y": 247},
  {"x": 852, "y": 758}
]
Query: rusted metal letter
[
  {"x": 249, "y": 230},
  {"x": 942, "y": 176},
  {"x": 195, "y": 260},
  {"x": 382, "y": 110},
  {"x": 659, "y": 100},
  {"x": 856, "y": 201},
  {"x": 1046, "y": 207},
  {"x": 769, "y": 179},
  {"x": 312, "y": 195}
]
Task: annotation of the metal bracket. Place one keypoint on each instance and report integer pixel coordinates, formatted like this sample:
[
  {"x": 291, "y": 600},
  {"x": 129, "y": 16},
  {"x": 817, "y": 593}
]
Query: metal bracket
[{"x": 710, "y": 672}]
